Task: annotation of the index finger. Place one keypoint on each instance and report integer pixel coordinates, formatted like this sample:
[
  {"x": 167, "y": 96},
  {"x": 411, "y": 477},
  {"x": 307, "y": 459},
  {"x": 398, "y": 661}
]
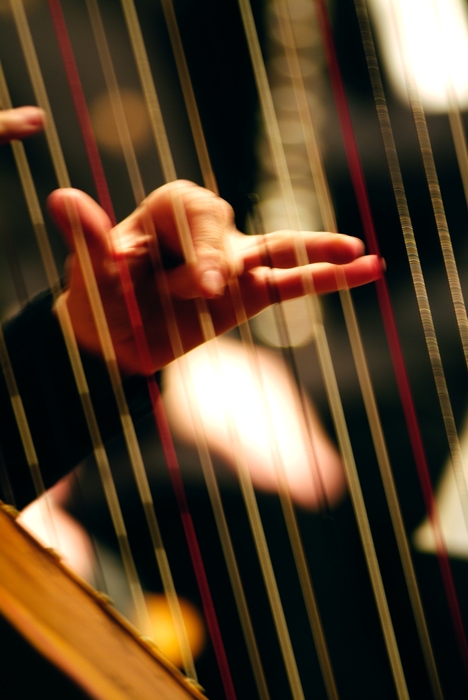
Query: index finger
[{"x": 20, "y": 122}]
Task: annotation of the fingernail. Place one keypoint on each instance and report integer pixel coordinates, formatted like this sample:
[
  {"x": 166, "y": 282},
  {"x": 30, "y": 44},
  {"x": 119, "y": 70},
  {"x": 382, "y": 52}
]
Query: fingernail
[
  {"x": 360, "y": 247},
  {"x": 35, "y": 117},
  {"x": 213, "y": 283},
  {"x": 32, "y": 116}
]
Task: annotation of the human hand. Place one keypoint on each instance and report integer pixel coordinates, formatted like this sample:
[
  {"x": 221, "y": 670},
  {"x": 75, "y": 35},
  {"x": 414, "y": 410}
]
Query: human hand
[
  {"x": 180, "y": 270},
  {"x": 20, "y": 122}
]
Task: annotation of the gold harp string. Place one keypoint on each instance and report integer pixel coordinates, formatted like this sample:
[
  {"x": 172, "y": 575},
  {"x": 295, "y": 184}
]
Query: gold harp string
[
  {"x": 16, "y": 401},
  {"x": 262, "y": 545},
  {"x": 20, "y": 416},
  {"x": 120, "y": 118},
  {"x": 279, "y": 160},
  {"x": 225, "y": 538},
  {"x": 129, "y": 431},
  {"x": 420, "y": 291},
  {"x": 139, "y": 194},
  {"x": 137, "y": 186},
  {"x": 5, "y": 361},
  {"x": 454, "y": 114},
  {"x": 247, "y": 491},
  {"x": 149, "y": 91},
  {"x": 189, "y": 96},
  {"x": 303, "y": 573},
  {"x": 135, "y": 178},
  {"x": 247, "y": 340},
  {"x": 168, "y": 168},
  {"x": 434, "y": 190},
  {"x": 324, "y": 199},
  {"x": 285, "y": 498},
  {"x": 206, "y": 324},
  {"x": 40, "y": 91},
  {"x": 65, "y": 322},
  {"x": 416, "y": 270}
]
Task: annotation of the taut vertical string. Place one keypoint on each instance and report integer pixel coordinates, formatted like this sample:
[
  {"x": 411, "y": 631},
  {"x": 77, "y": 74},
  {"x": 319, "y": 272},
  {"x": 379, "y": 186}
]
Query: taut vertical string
[
  {"x": 325, "y": 361},
  {"x": 62, "y": 312},
  {"x": 105, "y": 201},
  {"x": 158, "y": 410},
  {"x": 386, "y": 310},
  {"x": 324, "y": 199}
]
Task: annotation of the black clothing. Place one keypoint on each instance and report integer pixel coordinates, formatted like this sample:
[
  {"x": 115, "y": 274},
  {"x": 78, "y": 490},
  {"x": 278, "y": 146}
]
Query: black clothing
[{"x": 52, "y": 403}]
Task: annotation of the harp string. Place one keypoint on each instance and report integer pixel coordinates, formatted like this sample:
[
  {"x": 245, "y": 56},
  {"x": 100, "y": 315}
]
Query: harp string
[
  {"x": 104, "y": 198},
  {"x": 245, "y": 480},
  {"x": 435, "y": 194},
  {"x": 325, "y": 204},
  {"x": 72, "y": 348},
  {"x": 388, "y": 318},
  {"x": 78, "y": 101},
  {"x": 419, "y": 285},
  {"x": 120, "y": 119},
  {"x": 16, "y": 401},
  {"x": 454, "y": 112},
  {"x": 452, "y": 274},
  {"x": 207, "y": 334},
  {"x": 302, "y": 108},
  {"x": 158, "y": 411},
  {"x": 326, "y": 364},
  {"x": 189, "y": 96},
  {"x": 288, "y": 510},
  {"x": 422, "y": 298},
  {"x": 177, "y": 347},
  {"x": 289, "y": 514}
]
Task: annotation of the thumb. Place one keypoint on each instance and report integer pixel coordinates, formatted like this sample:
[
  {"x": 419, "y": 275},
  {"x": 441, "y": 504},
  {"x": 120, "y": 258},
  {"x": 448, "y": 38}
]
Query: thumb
[{"x": 75, "y": 213}]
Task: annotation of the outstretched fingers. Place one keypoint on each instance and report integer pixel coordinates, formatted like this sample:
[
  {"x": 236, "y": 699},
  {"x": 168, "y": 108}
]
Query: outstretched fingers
[
  {"x": 291, "y": 248},
  {"x": 264, "y": 286}
]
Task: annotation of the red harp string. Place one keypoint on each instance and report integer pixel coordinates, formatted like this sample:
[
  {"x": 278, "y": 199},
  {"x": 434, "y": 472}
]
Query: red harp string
[
  {"x": 63, "y": 25},
  {"x": 388, "y": 317},
  {"x": 104, "y": 198}
]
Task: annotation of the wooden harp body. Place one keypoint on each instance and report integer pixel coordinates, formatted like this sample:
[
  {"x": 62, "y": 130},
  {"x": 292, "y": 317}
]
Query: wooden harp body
[{"x": 364, "y": 654}]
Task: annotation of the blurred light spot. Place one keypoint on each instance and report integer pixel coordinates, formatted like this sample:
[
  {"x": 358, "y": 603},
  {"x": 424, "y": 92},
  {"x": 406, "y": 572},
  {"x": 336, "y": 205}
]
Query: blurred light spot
[
  {"x": 105, "y": 126},
  {"x": 306, "y": 67},
  {"x": 284, "y": 98},
  {"x": 163, "y": 630},
  {"x": 297, "y": 321},
  {"x": 291, "y": 130},
  {"x": 430, "y": 41}
]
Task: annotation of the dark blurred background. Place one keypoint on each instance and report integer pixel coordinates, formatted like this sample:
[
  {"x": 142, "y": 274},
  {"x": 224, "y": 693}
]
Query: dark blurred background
[{"x": 219, "y": 66}]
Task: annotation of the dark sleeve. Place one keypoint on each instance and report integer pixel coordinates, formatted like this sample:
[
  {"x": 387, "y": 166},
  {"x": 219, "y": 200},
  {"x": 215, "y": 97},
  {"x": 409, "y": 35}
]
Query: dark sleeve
[{"x": 52, "y": 404}]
